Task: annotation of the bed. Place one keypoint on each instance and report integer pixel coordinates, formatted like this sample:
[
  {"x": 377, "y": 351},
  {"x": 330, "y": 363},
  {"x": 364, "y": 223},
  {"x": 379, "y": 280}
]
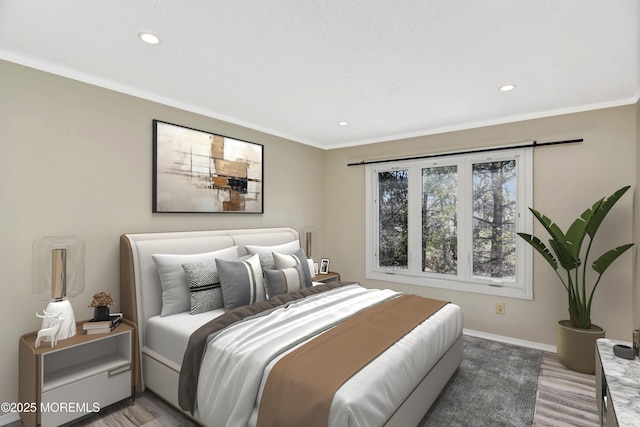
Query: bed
[{"x": 395, "y": 388}]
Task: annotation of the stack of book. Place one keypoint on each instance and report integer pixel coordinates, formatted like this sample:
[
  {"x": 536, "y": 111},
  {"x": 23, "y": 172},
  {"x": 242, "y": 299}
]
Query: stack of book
[{"x": 102, "y": 326}]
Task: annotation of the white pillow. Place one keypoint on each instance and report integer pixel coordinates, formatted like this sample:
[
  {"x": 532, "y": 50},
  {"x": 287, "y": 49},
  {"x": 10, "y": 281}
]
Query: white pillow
[
  {"x": 285, "y": 248},
  {"x": 176, "y": 297}
]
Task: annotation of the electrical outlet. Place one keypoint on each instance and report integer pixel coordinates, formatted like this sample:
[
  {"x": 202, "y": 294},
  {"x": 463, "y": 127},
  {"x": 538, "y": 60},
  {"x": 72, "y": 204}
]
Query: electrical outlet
[{"x": 499, "y": 308}]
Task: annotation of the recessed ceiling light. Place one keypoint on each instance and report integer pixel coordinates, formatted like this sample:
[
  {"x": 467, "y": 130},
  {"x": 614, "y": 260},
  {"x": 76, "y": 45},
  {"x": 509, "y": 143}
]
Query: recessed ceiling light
[
  {"x": 149, "y": 38},
  {"x": 507, "y": 88},
  {"x": 342, "y": 123}
]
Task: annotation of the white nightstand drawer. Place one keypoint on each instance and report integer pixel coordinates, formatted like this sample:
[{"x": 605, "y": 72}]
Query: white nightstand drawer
[{"x": 71, "y": 401}]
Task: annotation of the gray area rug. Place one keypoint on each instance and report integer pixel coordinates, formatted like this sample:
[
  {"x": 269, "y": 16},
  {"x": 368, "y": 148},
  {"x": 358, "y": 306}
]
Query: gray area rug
[{"x": 495, "y": 385}]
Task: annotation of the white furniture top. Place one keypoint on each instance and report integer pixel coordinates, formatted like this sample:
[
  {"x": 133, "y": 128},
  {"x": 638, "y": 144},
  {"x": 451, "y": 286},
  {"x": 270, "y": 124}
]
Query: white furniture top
[{"x": 623, "y": 382}]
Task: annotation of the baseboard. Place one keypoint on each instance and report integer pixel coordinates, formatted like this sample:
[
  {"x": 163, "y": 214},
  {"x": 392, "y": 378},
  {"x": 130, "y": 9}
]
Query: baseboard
[
  {"x": 9, "y": 418},
  {"x": 509, "y": 340}
]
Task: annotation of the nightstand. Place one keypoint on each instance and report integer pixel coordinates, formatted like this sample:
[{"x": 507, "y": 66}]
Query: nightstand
[
  {"x": 79, "y": 376},
  {"x": 331, "y": 276}
]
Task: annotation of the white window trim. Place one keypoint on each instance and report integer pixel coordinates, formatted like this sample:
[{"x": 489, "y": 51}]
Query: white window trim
[{"x": 521, "y": 288}]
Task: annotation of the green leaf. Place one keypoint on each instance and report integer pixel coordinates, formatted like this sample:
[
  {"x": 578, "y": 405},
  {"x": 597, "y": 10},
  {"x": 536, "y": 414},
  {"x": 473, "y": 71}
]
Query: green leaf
[
  {"x": 552, "y": 228},
  {"x": 565, "y": 257},
  {"x": 575, "y": 236},
  {"x": 601, "y": 264},
  {"x": 558, "y": 242},
  {"x": 541, "y": 248},
  {"x": 599, "y": 211}
]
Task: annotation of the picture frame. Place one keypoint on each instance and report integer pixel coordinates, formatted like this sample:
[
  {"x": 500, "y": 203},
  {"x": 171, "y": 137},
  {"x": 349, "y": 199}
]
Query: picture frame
[
  {"x": 196, "y": 171},
  {"x": 324, "y": 266}
]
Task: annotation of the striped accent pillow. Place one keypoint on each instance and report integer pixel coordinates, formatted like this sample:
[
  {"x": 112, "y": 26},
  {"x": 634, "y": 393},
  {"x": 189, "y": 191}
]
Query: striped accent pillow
[
  {"x": 283, "y": 281},
  {"x": 289, "y": 260},
  {"x": 241, "y": 282},
  {"x": 204, "y": 286}
]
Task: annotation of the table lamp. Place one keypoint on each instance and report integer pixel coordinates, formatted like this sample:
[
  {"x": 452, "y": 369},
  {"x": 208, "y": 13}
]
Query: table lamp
[
  {"x": 307, "y": 232},
  {"x": 58, "y": 274}
]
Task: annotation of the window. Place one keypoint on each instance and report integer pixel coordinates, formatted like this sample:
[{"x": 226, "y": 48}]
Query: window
[
  {"x": 451, "y": 222},
  {"x": 393, "y": 200}
]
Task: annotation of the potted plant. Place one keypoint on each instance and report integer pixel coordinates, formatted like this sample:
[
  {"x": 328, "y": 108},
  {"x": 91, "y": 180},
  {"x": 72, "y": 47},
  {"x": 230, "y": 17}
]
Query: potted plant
[
  {"x": 568, "y": 255},
  {"x": 100, "y": 303}
]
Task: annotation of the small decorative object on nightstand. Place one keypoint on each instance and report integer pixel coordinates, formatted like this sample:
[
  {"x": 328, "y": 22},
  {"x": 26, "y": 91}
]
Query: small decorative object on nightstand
[
  {"x": 100, "y": 303},
  {"x": 324, "y": 266},
  {"x": 50, "y": 333}
]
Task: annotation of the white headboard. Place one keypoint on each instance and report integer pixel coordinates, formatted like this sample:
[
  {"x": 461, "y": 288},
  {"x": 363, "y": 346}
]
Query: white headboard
[{"x": 140, "y": 290}]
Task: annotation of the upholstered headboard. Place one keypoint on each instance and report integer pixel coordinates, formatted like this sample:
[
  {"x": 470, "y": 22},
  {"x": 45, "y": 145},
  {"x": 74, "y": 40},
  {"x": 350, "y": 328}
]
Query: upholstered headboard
[{"x": 140, "y": 289}]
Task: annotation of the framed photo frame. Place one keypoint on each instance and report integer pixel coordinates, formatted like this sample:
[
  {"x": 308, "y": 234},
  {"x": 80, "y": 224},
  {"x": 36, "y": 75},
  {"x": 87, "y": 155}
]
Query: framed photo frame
[
  {"x": 324, "y": 266},
  {"x": 195, "y": 171}
]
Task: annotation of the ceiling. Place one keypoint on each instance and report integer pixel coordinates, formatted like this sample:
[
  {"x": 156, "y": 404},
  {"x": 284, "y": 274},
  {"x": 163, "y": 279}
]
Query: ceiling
[{"x": 295, "y": 68}]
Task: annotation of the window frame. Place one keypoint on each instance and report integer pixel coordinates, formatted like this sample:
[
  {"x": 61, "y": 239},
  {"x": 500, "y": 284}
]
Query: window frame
[{"x": 521, "y": 287}]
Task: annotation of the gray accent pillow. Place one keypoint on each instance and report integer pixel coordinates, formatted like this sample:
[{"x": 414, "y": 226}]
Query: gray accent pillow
[
  {"x": 266, "y": 261},
  {"x": 289, "y": 260},
  {"x": 283, "y": 281},
  {"x": 175, "y": 291},
  {"x": 204, "y": 286},
  {"x": 241, "y": 282}
]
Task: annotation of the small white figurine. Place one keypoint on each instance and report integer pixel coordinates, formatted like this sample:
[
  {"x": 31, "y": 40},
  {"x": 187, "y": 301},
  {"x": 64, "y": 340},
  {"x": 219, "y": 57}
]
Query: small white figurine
[
  {"x": 51, "y": 327},
  {"x": 62, "y": 308}
]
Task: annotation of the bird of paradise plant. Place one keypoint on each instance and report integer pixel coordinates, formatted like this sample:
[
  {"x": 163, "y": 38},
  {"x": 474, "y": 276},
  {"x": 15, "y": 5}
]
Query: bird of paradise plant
[{"x": 566, "y": 250}]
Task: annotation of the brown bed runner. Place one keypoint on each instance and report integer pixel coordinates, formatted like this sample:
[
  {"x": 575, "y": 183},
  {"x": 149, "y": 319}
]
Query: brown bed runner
[{"x": 301, "y": 385}]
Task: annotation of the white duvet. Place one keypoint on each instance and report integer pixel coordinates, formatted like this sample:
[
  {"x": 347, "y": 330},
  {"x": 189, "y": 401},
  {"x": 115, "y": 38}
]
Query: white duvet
[{"x": 237, "y": 361}]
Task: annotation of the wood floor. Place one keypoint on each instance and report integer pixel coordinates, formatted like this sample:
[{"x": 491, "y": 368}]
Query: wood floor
[{"x": 564, "y": 398}]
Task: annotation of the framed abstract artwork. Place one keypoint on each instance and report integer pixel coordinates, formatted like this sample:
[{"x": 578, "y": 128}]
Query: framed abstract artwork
[{"x": 203, "y": 172}]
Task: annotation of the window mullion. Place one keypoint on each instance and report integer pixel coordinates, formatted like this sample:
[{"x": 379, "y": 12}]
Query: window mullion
[
  {"x": 464, "y": 220},
  {"x": 415, "y": 219}
]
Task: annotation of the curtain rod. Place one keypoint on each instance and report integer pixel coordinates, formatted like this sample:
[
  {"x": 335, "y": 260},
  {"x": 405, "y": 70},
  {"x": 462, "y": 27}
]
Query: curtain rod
[{"x": 455, "y": 153}]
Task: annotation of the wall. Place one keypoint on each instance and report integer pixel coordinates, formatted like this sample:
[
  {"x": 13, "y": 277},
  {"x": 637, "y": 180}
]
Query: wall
[
  {"x": 77, "y": 159},
  {"x": 567, "y": 180},
  {"x": 636, "y": 281}
]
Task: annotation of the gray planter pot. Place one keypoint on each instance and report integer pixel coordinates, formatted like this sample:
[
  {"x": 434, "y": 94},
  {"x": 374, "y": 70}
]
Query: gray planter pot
[{"x": 577, "y": 347}]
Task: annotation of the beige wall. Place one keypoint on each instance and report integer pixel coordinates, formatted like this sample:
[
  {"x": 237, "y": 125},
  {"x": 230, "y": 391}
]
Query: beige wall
[
  {"x": 77, "y": 159},
  {"x": 636, "y": 281},
  {"x": 567, "y": 179}
]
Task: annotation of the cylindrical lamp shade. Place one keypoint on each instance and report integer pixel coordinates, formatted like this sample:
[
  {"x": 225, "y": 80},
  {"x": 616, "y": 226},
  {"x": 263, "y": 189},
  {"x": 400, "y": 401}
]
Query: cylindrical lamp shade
[
  {"x": 57, "y": 267},
  {"x": 58, "y": 273},
  {"x": 309, "y": 243},
  {"x": 307, "y": 235}
]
